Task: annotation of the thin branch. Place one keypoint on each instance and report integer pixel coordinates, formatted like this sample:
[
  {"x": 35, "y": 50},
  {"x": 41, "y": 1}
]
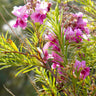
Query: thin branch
[
  {"x": 26, "y": 42},
  {"x": 8, "y": 90},
  {"x": 33, "y": 84},
  {"x": 5, "y": 52},
  {"x": 81, "y": 10},
  {"x": 9, "y": 26},
  {"x": 7, "y": 11},
  {"x": 25, "y": 1},
  {"x": 15, "y": 52}
]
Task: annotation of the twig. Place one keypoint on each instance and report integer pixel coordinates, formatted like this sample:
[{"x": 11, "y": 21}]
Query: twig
[
  {"x": 9, "y": 26},
  {"x": 74, "y": 90},
  {"x": 16, "y": 52},
  {"x": 82, "y": 10},
  {"x": 25, "y": 2},
  {"x": 33, "y": 84},
  {"x": 5, "y": 52},
  {"x": 7, "y": 11},
  {"x": 8, "y": 90}
]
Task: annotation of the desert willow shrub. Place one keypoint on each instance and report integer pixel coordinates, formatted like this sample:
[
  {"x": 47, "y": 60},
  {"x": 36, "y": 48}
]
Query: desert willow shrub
[{"x": 57, "y": 51}]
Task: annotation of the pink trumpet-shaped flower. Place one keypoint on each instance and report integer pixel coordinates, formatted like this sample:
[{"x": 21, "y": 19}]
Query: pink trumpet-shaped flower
[
  {"x": 54, "y": 44},
  {"x": 45, "y": 50},
  {"x": 21, "y": 14},
  {"x": 40, "y": 12},
  {"x": 81, "y": 23},
  {"x": 85, "y": 72},
  {"x": 81, "y": 66},
  {"x": 73, "y": 35},
  {"x": 38, "y": 17}
]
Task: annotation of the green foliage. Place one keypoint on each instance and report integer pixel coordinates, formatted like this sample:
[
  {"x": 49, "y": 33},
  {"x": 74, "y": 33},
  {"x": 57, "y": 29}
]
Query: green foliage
[
  {"x": 48, "y": 82},
  {"x": 10, "y": 56},
  {"x": 89, "y": 7},
  {"x": 28, "y": 57},
  {"x": 55, "y": 20}
]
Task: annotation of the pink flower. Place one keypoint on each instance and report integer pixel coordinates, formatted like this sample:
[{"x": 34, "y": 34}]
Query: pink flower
[
  {"x": 38, "y": 17},
  {"x": 59, "y": 67},
  {"x": 53, "y": 43},
  {"x": 20, "y": 22},
  {"x": 43, "y": 7},
  {"x": 86, "y": 30},
  {"x": 45, "y": 51},
  {"x": 85, "y": 72},
  {"x": 57, "y": 58},
  {"x": 70, "y": 35},
  {"x": 54, "y": 65},
  {"x": 56, "y": 61},
  {"x": 21, "y": 13},
  {"x": 81, "y": 66},
  {"x": 81, "y": 23},
  {"x": 79, "y": 14},
  {"x": 78, "y": 36},
  {"x": 73, "y": 35},
  {"x": 40, "y": 12}
]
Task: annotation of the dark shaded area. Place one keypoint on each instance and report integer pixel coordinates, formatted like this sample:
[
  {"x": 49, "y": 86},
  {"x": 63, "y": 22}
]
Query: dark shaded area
[{"x": 19, "y": 86}]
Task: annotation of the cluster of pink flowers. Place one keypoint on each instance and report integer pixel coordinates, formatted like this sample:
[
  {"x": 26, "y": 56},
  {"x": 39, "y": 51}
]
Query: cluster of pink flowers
[
  {"x": 56, "y": 59},
  {"x": 53, "y": 42},
  {"x": 23, "y": 12},
  {"x": 74, "y": 32},
  {"x": 80, "y": 66}
]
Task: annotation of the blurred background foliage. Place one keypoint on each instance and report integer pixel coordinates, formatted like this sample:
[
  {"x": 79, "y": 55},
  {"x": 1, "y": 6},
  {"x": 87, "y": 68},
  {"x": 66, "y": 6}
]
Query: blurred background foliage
[
  {"x": 6, "y": 6},
  {"x": 19, "y": 86}
]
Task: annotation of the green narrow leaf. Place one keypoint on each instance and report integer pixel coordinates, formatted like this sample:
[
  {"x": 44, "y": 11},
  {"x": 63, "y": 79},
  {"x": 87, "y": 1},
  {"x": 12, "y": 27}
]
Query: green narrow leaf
[
  {"x": 7, "y": 66},
  {"x": 21, "y": 70}
]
